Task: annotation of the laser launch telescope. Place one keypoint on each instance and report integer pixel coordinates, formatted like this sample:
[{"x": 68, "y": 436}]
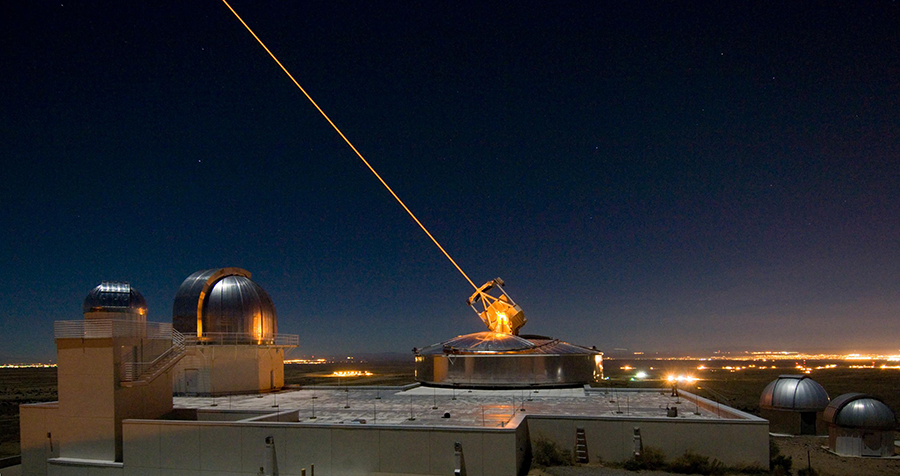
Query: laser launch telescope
[
  {"x": 500, "y": 313},
  {"x": 500, "y": 357}
]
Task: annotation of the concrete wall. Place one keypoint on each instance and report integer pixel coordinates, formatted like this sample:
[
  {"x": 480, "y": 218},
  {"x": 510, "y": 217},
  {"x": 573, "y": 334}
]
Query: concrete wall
[
  {"x": 92, "y": 403},
  {"x": 152, "y": 400},
  {"x": 858, "y": 442},
  {"x": 36, "y": 421},
  {"x": 86, "y": 377},
  {"x": 229, "y": 369},
  {"x": 157, "y": 447},
  {"x": 611, "y": 438}
]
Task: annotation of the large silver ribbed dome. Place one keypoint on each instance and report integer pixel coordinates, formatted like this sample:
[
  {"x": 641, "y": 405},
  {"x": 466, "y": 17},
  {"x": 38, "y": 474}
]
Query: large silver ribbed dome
[
  {"x": 858, "y": 410},
  {"x": 111, "y": 296},
  {"x": 224, "y": 306},
  {"x": 794, "y": 392}
]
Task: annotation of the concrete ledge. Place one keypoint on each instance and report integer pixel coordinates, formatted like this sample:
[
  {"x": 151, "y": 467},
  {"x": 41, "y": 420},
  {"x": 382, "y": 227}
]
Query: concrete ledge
[
  {"x": 95, "y": 463},
  {"x": 10, "y": 461}
]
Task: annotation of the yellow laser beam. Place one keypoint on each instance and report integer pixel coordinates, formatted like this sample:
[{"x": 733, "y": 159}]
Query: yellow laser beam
[{"x": 358, "y": 154}]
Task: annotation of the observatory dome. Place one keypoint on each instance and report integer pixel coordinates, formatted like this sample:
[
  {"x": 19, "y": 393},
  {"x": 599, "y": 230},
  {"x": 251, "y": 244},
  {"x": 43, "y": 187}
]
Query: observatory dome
[
  {"x": 858, "y": 410},
  {"x": 110, "y": 296},
  {"x": 224, "y": 306},
  {"x": 484, "y": 342},
  {"x": 500, "y": 360},
  {"x": 794, "y": 392}
]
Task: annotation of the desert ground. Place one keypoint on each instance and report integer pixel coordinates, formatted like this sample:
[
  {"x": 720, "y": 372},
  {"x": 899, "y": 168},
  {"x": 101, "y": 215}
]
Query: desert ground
[{"x": 19, "y": 386}]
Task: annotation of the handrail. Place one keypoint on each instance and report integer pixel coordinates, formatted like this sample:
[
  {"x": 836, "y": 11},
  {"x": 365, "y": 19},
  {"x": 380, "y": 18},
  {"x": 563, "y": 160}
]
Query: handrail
[
  {"x": 225, "y": 338},
  {"x": 133, "y": 371},
  {"x": 107, "y": 328}
]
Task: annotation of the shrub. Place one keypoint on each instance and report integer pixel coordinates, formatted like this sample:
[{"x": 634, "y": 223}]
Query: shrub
[
  {"x": 652, "y": 459},
  {"x": 693, "y": 463},
  {"x": 781, "y": 465},
  {"x": 548, "y": 453},
  {"x": 748, "y": 469}
]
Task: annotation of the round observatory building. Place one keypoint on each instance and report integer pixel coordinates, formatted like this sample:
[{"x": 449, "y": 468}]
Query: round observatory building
[
  {"x": 793, "y": 404},
  {"x": 498, "y": 360},
  {"x": 500, "y": 357},
  {"x": 231, "y": 335},
  {"x": 860, "y": 425}
]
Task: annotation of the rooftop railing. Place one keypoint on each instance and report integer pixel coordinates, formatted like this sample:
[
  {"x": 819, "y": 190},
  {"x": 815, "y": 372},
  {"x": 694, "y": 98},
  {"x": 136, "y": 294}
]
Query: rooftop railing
[
  {"x": 232, "y": 338},
  {"x": 107, "y": 328},
  {"x": 132, "y": 371}
]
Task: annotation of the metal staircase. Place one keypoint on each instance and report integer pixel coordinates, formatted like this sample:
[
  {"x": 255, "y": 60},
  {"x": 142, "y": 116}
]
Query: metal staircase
[
  {"x": 581, "y": 453},
  {"x": 141, "y": 373}
]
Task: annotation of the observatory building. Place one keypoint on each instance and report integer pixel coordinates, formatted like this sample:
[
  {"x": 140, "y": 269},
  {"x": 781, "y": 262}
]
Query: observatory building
[
  {"x": 860, "y": 425},
  {"x": 500, "y": 357},
  {"x": 793, "y": 404},
  {"x": 117, "y": 416},
  {"x": 112, "y": 365},
  {"x": 231, "y": 335}
]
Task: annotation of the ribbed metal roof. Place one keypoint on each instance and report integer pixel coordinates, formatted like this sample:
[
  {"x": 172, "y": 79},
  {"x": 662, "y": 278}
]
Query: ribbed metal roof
[
  {"x": 858, "y": 410},
  {"x": 794, "y": 392},
  {"x": 220, "y": 304},
  {"x": 501, "y": 343},
  {"x": 111, "y": 296},
  {"x": 484, "y": 342}
]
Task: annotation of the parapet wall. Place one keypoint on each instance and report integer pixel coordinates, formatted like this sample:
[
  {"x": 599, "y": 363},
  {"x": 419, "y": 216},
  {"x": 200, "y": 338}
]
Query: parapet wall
[{"x": 153, "y": 446}]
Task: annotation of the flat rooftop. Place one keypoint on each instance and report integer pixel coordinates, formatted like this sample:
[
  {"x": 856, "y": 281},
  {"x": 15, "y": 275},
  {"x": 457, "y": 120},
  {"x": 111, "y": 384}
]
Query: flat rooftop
[{"x": 427, "y": 406}]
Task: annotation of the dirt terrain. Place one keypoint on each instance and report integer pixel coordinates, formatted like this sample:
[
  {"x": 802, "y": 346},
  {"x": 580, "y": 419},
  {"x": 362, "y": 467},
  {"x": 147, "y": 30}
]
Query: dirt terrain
[
  {"x": 823, "y": 462},
  {"x": 19, "y": 386}
]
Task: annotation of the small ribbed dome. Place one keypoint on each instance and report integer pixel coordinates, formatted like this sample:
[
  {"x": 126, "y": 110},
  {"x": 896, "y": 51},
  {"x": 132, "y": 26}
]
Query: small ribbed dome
[
  {"x": 224, "y": 306},
  {"x": 858, "y": 410},
  {"x": 110, "y": 296},
  {"x": 794, "y": 392}
]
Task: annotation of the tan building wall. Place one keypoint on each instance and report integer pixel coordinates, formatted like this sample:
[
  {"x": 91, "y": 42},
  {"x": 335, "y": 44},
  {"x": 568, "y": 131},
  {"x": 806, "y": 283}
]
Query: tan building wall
[
  {"x": 92, "y": 403},
  {"x": 154, "y": 447},
  {"x": 732, "y": 442},
  {"x": 38, "y": 436},
  {"x": 229, "y": 369},
  {"x": 86, "y": 388}
]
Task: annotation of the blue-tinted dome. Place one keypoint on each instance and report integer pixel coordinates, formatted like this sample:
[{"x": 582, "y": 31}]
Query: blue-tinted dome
[
  {"x": 110, "y": 296},
  {"x": 794, "y": 392}
]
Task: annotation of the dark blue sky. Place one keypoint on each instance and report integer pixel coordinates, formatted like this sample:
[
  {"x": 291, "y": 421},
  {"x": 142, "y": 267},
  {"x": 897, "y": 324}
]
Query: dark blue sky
[{"x": 647, "y": 176}]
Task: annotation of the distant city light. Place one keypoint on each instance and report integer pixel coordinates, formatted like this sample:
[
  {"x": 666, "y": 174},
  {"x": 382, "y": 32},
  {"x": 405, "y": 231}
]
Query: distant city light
[
  {"x": 306, "y": 361},
  {"x": 681, "y": 378},
  {"x": 351, "y": 373},
  {"x": 27, "y": 366},
  {"x": 641, "y": 374}
]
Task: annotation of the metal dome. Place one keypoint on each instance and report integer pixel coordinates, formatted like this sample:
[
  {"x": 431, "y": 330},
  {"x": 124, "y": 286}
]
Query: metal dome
[
  {"x": 858, "y": 410},
  {"x": 794, "y": 392},
  {"x": 224, "y": 306},
  {"x": 487, "y": 342},
  {"x": 111, "y": 296}
]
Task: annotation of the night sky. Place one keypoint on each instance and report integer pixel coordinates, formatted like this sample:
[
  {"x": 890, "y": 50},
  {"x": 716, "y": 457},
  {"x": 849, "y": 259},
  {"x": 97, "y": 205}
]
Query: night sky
[{"x": 664, "y": 176}]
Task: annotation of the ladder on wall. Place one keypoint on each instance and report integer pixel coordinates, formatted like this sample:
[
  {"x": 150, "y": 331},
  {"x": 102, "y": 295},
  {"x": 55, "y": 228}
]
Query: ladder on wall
[{"x": 581, "y": 454}]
